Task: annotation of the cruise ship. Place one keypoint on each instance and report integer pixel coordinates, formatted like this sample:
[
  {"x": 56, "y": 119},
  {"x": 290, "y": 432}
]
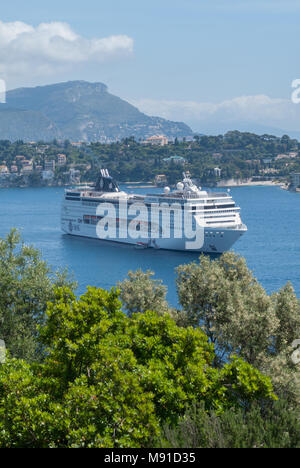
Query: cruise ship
[{"x": 184, "y": 219}]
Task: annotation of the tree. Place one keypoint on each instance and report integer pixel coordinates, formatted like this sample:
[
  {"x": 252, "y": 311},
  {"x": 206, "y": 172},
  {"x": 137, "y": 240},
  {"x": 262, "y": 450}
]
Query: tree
[
  {"x": 109, "y": 380},
  {"x": 26, "y": 285},
  {"x": 139, "y": 293},
  {"x": 287, "y": 309},
  {"x": 226, "y": 301},
  {"x": 275, "y": 427}
]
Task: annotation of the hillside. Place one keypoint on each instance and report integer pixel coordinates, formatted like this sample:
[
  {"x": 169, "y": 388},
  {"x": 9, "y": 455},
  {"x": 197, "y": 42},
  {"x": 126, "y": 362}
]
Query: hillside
[{"x": 78, "y": 111}]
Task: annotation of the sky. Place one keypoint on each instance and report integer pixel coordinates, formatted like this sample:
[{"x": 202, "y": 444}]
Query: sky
[{"x": 214, "y": 64}]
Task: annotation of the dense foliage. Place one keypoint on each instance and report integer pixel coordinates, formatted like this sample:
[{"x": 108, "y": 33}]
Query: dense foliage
[
  {"x": 223, "y": 298},
  {"x": 238, "y": 155},
  {"x": 226, "y": 301},
  {"x": 140, "y": 292},
  {"x": 276, "y": 426},
  {"x": 81, "y": 372},
  {"x": 26, "y": 285},
  {"x": 109, "y": 380}
]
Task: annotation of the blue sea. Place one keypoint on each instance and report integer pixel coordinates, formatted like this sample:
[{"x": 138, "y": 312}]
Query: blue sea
[{"x": 271, "y": 246}]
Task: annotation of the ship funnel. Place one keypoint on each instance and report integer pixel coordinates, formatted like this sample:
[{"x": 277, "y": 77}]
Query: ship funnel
[{"x": 105, "y": 183}]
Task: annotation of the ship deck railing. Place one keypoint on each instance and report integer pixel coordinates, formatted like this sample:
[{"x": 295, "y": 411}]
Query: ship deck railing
[
  {"x": 178, "y": 196},
  {"x": 189, "y": 196}
]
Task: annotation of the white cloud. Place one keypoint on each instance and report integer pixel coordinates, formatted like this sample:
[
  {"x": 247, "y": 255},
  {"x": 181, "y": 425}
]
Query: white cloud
[
  {"x": 42, "y": 50},
  {"x": 258, "y": 110}
]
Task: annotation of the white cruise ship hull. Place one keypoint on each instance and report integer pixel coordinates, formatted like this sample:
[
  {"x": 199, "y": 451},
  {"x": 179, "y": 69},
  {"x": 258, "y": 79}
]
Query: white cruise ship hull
[{"x": 216, "y": 240}]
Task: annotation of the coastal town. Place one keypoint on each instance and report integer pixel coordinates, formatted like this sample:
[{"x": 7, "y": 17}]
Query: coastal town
[
  {"x": 234, "y": 159},
  {"x": 37, "y": 168}
]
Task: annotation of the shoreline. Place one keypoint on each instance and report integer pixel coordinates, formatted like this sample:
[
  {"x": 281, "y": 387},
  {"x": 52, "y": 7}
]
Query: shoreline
[
  {"x": 266, "y": 183},
  {"x": 144, "y": 185}
]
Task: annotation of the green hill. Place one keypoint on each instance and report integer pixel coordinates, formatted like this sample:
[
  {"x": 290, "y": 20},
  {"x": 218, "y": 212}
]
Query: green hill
[{"x": 78, "y": 111}]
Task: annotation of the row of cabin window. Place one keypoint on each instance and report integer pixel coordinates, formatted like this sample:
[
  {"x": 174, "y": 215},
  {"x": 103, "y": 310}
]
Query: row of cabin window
[{"x": 87, "y": 219}]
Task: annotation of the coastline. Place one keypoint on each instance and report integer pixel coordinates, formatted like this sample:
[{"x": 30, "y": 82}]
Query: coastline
[
  {"x": 249, "y": 183},
  {"x": 144, "y": 185}
]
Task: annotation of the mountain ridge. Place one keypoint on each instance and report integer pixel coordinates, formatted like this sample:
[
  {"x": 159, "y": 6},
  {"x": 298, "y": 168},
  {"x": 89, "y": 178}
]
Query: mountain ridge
[{"x": 78, "y": 111}]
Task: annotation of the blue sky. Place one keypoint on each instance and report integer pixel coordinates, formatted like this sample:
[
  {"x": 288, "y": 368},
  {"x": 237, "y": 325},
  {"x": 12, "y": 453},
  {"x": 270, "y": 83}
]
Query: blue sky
[{"x": 179, "y": 57}]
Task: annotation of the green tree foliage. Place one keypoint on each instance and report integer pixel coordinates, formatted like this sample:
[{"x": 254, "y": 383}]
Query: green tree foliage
[
  {"x": 224, "y": 298},
  {"x": 235, "y": 312},
  {"x": 275, "y": 427},
  {"x": 226, "y": 301},
  {"x": 240, "y": 155},
  {"x": 109, "y": 380},
  {"x": 26, "y": 285},
  {"x": 139, "y": 293},
  {"x": 287, "y": 311}
]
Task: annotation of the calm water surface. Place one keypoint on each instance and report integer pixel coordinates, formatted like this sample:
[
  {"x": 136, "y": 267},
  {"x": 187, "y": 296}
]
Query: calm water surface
[{"x": 271, "y": 246}]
